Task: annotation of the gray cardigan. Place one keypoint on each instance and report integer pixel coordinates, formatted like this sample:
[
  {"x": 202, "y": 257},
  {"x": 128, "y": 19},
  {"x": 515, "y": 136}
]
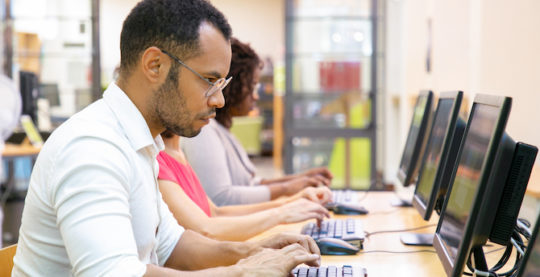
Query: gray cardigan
[{"x": 223, "y": 167}]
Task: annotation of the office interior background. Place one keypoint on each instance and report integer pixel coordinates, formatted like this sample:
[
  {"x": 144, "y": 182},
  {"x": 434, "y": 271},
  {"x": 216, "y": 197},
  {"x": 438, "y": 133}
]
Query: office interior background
[{"x": 380, "y": 53}]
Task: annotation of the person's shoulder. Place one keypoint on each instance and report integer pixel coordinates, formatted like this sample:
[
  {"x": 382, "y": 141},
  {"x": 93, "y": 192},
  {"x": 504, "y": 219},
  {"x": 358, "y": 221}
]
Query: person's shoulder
[
  {"x": 96, "y": 120},
  {"x": 95, "y": 126}
]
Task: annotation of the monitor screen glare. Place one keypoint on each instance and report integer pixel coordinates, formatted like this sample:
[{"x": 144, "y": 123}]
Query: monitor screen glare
[{"x": 467, "y": 177}]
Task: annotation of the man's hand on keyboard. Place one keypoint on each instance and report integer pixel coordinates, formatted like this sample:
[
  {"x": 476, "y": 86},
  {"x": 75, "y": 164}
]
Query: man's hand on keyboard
[
  {"x": 283, "y": 240},
  {"x": 277, "y": 262},
  {"x": 301, "y": 210}
]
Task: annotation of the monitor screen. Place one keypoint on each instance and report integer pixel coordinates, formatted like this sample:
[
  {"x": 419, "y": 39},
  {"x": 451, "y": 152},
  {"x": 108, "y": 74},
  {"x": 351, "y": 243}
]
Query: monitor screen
[
  {"x": 51, "y": 93},
  {"x": 440, "y": 154},
  {"x": 415, "y": 138},
  {"x": 434, "y": 149},
  {"x": 467, "y": 178}
]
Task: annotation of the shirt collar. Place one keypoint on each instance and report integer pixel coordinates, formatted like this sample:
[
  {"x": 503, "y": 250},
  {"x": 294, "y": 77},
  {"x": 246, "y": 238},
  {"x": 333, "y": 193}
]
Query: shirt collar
[{"x": 131, "y": 119}]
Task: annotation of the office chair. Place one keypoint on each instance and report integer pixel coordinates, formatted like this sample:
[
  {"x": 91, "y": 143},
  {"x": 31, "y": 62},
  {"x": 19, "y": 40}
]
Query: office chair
[{"x": 6, "y": 260}]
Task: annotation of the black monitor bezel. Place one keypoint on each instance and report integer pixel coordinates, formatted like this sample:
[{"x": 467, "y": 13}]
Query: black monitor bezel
[
  {"x": 406, "y": 177},
  {"x": 426, "y": 209},
  {"x": 532, "y": 240},
  {"x": 455, "y": 268}
]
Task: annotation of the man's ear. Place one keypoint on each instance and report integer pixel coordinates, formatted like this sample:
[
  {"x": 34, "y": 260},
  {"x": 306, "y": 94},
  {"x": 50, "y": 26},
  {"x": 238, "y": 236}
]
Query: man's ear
[{"x": 155, "y": 64}]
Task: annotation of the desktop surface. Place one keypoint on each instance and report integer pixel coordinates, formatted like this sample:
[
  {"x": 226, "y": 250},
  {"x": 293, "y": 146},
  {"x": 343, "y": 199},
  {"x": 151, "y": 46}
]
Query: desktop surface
[{"x": 383, "y": 216}]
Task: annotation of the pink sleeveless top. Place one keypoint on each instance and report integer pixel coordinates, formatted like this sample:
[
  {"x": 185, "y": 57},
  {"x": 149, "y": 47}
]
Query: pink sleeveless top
[{"x": 183, "y": 174}]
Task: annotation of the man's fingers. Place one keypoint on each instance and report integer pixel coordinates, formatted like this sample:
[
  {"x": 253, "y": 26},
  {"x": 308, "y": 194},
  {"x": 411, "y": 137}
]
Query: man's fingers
[
  {"x": 309, "y": 259},
  {"x": 312, "y": 246},
  {"x": 309, "y": 245},
  {"x": 295, "y": 254}
]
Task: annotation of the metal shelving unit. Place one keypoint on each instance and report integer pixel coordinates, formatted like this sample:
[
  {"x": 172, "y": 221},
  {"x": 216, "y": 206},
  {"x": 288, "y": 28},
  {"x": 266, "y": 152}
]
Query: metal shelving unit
[{"x": 332, "y": 59}]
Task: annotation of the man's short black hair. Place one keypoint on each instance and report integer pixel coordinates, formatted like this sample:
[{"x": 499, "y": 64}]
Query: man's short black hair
[{"x": 172, "y": 25}]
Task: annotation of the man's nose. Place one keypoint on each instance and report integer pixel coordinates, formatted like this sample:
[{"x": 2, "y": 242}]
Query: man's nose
[{"x": 217, "y": 100}]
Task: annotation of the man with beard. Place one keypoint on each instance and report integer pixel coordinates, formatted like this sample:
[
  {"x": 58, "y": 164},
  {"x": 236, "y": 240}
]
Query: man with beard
[{"x": 93, "y": 206}]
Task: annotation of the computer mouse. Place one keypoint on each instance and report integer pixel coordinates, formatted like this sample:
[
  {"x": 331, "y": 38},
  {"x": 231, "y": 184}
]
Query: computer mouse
[
  {"x": 349, "y": 208},
  {"x": 333, "y": 246}
]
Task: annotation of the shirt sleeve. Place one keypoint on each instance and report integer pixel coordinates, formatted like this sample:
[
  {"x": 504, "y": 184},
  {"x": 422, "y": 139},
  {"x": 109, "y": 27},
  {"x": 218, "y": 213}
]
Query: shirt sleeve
[
  {"x": 90, "y": 193},
  {"x": 169, "y": 232},
  {"x": 207, "y": 156}
]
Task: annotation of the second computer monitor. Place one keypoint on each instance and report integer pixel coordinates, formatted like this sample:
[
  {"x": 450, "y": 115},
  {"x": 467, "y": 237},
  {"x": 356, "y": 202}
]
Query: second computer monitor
[
  {"x": 440, "y": 154},
  {"x": 416, "y": 138},
  {"x": 487, "y": 187}
]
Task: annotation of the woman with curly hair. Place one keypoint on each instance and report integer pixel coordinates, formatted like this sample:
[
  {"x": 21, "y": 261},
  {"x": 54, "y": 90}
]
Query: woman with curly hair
[{"x": 221, "y": 163}]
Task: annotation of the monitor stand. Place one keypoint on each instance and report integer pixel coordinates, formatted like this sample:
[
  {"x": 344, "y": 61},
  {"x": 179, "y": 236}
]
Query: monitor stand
[
  {"x": 404, "y": 196},
  {"x": 417, "y": 239}
]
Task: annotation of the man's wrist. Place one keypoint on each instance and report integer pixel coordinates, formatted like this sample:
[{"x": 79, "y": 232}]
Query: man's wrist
[{"x": 251, "y": 247}]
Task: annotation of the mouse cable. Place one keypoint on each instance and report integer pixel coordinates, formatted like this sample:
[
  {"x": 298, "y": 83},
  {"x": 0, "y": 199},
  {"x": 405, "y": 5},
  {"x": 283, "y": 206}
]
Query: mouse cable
[
  {"x": 396, "y": 252},
  {"x": 384, "y": 212},
  {"x": 363, "y": 196},
  {"x": 368, "y": 234}
]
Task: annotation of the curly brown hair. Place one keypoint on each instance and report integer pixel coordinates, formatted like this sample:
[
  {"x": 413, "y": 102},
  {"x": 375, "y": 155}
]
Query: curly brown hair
[{"x": 244, "y": 62}]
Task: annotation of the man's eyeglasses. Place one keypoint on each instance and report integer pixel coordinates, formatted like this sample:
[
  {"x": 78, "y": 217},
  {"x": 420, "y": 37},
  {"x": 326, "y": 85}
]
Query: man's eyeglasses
[{"x": 214, "y": 86}]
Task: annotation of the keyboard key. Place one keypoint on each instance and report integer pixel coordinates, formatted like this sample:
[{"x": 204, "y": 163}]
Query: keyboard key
[
  {"x": 312, "y": 272},
  {"x": 350, "y": 226},
  {"x": 332, "y": 271},
  {"x": 303, "y": 272},
  {"x": 347, "y": 269},
  {"x": 331, "y": 230},
  {"x": 324, "y": 226},
  {"x": 322, "y": 271}
]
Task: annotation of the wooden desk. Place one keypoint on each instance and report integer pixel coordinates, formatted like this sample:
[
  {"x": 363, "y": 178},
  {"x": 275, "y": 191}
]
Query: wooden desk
[
  {"x": 384, "y": 217},
  {"x": 19, "y": 150},
  {"x": 11, "y": 152}
]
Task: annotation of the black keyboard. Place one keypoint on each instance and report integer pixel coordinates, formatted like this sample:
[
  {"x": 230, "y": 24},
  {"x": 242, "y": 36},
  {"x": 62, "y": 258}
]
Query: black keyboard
[
  {"x": 349, "y": 230},
  {"x": 330, "y": 271}
]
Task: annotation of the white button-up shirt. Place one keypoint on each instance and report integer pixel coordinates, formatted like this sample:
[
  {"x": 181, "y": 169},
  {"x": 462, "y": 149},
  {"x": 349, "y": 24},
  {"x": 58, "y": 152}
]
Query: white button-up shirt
[{"x": 93, "y": 206}]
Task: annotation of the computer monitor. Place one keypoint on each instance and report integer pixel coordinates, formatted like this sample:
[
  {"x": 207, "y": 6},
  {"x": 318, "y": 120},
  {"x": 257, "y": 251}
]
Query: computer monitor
[
  {"x": 487, "y": 187},
  {"x": 438, "y": 162},
  {"x": 415, "y": 144},
  {"x": 51, "y": 93},
  {"x": 440, "y": 155},
  {"x": 29, "y": 93},
  {"x": 416, "y": 138},
  {"x": 530, "y": 264}
]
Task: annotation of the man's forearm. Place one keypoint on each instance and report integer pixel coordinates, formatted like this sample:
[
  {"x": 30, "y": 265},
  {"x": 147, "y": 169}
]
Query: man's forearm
[
  {"x": 156, "y": 271},
  {"x": 194, "y": 251}
]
